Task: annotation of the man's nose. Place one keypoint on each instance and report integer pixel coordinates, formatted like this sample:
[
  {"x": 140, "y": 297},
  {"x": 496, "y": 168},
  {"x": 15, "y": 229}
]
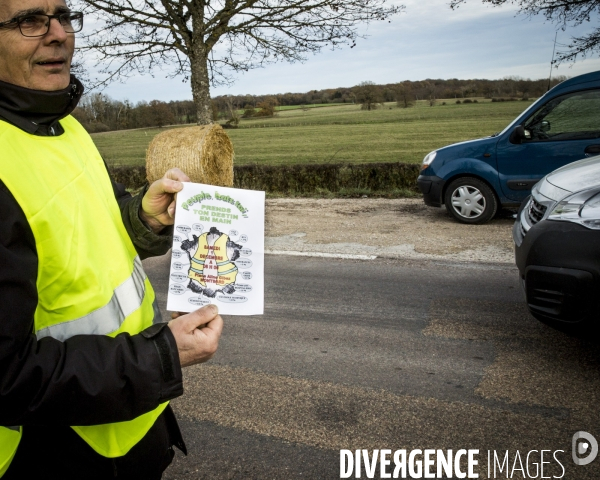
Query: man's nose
[{"x": 56, "y": 32}]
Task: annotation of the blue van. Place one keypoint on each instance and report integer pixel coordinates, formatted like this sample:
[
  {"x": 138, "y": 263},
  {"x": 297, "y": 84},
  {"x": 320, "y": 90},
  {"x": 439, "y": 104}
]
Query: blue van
[{"x": 474, "y": 179}]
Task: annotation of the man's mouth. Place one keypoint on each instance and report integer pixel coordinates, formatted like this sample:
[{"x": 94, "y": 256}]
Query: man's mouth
[{"x": 53, "y": 62}]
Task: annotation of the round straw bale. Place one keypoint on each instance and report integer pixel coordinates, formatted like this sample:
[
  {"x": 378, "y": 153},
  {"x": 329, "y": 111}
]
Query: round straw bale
[{"x": 203, "y": 152}]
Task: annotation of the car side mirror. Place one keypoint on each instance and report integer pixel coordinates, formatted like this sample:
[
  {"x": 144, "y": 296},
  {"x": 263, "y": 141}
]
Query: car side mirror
[{"x": 519, "y": 134}]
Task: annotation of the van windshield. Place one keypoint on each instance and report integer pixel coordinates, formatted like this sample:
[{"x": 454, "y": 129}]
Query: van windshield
[{"x": 531, "y": 107}]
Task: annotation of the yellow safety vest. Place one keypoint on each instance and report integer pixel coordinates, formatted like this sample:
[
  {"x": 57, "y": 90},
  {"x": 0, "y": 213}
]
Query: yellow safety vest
[
  {"x": 226, "y": 271},
  {"x": 90, "y": 278}
]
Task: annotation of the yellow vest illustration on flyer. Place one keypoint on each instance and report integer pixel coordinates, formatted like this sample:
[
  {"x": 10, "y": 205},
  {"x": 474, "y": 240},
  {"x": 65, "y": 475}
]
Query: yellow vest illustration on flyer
[{"x": 211, "y": 258}]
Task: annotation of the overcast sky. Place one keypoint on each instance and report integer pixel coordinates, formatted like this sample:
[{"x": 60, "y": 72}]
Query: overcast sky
[{"x": 428, "y": 40}]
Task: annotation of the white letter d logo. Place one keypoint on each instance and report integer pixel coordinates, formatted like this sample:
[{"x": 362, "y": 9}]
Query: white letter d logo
[{"x": 589, "y": 444}]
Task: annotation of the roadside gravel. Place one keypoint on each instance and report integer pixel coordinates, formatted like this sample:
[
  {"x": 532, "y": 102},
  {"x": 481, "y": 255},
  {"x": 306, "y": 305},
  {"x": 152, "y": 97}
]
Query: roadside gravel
[{"x": 393, "y": 228}]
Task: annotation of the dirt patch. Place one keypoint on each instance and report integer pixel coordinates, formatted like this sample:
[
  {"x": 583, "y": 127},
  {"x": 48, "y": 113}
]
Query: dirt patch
[
  {"x": 383, "y": 227},
  {"x": 413, "y": 208}
]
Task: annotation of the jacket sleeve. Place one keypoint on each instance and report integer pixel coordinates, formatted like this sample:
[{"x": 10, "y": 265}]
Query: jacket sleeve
[
  {"x": 146, "y": 242},
  {"x": 86, "y": 380}
]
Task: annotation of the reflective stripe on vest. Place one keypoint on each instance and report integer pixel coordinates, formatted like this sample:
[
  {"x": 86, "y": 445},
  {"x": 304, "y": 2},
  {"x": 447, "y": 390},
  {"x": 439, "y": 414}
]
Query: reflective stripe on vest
[
  {"x": 126, "y": 298},
  {"x": 9, "y": 441},
  {"x": 90, "y": 279}
]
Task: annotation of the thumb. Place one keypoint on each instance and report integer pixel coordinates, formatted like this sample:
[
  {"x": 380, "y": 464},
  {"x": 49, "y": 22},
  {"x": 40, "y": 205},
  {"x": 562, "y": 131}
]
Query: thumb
[{"x": 200, "y": 317}]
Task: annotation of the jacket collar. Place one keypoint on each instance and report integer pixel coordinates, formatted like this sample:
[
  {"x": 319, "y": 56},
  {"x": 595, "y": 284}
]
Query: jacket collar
[{"x": 37, "y": 112}]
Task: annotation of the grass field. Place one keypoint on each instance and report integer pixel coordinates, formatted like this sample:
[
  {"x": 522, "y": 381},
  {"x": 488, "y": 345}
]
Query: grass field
[
  {"x": 297, "y": 107},
  {"x": 343, "y": 133},
  {"x": 282, "y": 108}
]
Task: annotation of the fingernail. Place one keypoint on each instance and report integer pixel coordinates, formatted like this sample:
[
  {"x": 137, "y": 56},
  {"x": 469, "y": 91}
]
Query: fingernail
[
  {"x": 171, "y": 212},
  {"x": 178, "y": 185},
  {"x": 214, "y": 308}
]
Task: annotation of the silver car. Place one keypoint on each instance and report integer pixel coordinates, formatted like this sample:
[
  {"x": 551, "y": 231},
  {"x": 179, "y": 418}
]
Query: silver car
[{"x": 557, "y": 245}]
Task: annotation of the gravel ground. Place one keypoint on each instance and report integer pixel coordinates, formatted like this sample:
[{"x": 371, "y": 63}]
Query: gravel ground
[{"x": 396, "y": 228}]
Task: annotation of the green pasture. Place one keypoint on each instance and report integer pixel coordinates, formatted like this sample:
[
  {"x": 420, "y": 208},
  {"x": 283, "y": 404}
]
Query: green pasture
[
  {"x": 282, "y": 108},
  {"x": 308, "y": 105},
  {"x": 343, "y": 133}
]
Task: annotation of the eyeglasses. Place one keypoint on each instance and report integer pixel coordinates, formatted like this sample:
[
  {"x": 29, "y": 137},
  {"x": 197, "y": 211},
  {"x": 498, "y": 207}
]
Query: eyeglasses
[{"x": 38, "y": 25}]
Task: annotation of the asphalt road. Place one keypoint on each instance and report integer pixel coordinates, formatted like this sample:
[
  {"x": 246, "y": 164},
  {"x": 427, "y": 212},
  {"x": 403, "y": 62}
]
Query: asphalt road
[{"x": 384, "y": 354}]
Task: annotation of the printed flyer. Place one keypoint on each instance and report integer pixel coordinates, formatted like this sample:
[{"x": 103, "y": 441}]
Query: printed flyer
[{"x": 218, "y": 250}]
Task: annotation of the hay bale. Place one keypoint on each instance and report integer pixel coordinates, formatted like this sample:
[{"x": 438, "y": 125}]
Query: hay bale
[{"x": 203, "y": 152}]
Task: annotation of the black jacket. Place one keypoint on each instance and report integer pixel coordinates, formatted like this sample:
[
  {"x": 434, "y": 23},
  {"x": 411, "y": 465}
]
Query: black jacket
[{"x": 88, "y": 379}]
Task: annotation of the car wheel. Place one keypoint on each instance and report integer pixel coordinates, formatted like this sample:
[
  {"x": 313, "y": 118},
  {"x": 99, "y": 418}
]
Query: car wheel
[{"x": 470, "y": 200}]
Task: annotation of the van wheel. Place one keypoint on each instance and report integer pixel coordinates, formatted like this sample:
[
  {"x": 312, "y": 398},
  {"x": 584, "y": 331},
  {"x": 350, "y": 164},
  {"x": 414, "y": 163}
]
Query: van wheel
[{"x": 470, "y": 200}]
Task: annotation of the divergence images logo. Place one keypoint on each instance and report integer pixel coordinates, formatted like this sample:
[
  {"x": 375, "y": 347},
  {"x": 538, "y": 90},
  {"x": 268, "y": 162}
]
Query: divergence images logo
[{"x": 584, "y": 444}]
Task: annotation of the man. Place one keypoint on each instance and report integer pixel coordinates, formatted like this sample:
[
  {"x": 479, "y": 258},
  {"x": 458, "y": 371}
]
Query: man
[{"x": 86, "y": 365}]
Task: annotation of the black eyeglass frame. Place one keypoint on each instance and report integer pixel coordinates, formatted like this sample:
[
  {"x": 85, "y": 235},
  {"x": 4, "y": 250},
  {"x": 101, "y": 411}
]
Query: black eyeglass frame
[{"x": 65, "y": 16}]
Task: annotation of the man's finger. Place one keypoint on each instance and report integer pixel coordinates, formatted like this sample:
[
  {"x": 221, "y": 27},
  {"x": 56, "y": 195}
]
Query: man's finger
[{"x": 176, "y": 174}]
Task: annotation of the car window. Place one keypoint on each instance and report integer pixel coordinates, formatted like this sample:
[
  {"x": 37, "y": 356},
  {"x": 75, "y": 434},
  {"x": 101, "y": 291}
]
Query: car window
[{"x": 575, "y": 116}]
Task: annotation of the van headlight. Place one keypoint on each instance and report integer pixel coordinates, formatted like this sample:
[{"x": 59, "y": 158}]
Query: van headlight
[
  {"x": 582, "y": 208},
  {"x": 430, "y": 157}
]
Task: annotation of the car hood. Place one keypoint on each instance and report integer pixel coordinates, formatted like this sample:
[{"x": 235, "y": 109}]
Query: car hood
[
  {"x": 468, "y": 149},
  {"x": 577, "y": 176}
]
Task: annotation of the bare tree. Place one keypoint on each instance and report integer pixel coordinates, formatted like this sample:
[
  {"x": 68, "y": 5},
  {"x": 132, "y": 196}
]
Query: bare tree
[
  {"x": 404, "y": 96},
  {"x": 160, "y": 113},
  {"x": 430, "y": 90},
  {"x": 214, "y": 111},
  {"x": 368, "y": 94},
  {"x": 564, "y": 13},
  {"x": 234, "y": 114},
  {"x": 208, "y": 40}
]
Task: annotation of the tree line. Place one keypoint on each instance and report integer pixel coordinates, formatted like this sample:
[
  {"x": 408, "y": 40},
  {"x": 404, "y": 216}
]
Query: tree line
[
  {"x": 405, "y": 92},
  {"x": 98, "y": 112}
]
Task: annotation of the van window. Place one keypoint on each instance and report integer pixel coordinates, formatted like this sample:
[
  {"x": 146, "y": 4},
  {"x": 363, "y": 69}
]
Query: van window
[{"x": 575, "y": 116}]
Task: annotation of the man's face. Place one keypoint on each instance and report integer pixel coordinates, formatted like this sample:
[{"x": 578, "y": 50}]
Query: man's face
[{"x": 39, "y": 63}]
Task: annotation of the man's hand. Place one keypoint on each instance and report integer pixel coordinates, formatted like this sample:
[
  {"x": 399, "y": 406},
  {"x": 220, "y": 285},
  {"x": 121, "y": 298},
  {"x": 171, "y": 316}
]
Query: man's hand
[
  {"x": 197, "y": 345},
  {"x": 158, "y": 205}
]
